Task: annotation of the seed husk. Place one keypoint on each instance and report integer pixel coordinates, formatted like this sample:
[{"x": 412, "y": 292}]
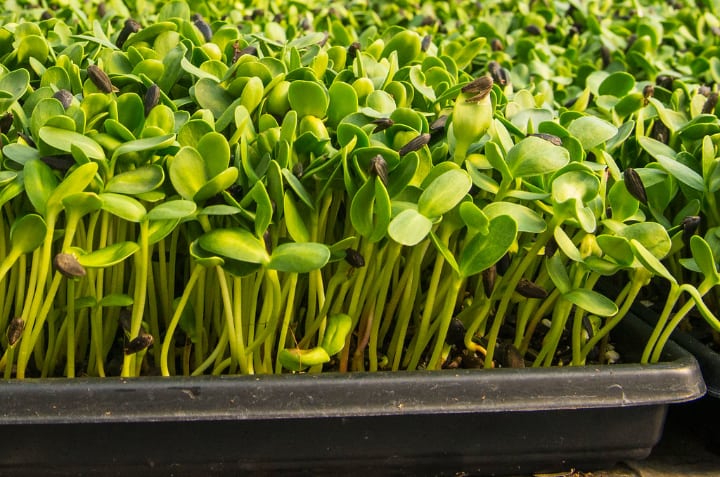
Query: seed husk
[
  {"x": 6, "y": 122},
  {"x": 439, "y": 124},
  {"x": 704, "y": 90},
  {"x": 690, "y": 225},
  {"x": 152, "y": 97},
  {"x": 530, "y": 289},
  {"x": 428, "y": 21},
  {"x": 479, "y": 87},
  {"x": 382, "y": 124},
  {"x": 503, "y": 264},
  {"x": 550, "y": 28},
  {"x": 497, "y": 45},
  {"x": 68, "y": 265},
  {"x": 235, "y": 191},
  {"x": 605, "y": 55},
  {"x": 100, "y": 79},
  {"x": 326, "y": 36},
  {"x": 489, "y": 275},
  {"x": 248, "y": 50},
  {"x": 551, "y": 247},
  {"x": 648, "y": 92},
  {"x": 65, "y": 97},
  {"x": 379, "y": 168},
  {"x": 126, "y": 320},
  {"x": 15, "y": 330},
  {"x": 551, "y": 138},
  {"x": 46, "y": 15},
  {"x": 456, "y": 333},
  {"x": 141, "y": 342},
  {"x": 415, "y": 144},
  {"x": 710, "y": 103},
  {"x": 533, "y": 30},
  {"x": 498, "y": 73},
  {"x": 61, "y": 163},
  {"x": 664, "y": 81},
  {"x": 28, "y": 140},
  {"x": 509, "y": 357},
  {"x": 660, "y": 132},
  {"x": 426, "y": 41},
  {"x": 354, "y": 258},
  {"x": 353, "y": 49},
  {"x": 130, "y": 26},
  {"x": 634, "y": 185},
  {"x": 203, "y": 27},
  {"x": 101, "y": 10}
]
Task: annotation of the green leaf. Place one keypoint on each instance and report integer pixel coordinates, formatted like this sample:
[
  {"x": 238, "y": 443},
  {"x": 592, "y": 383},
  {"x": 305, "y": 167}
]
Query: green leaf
[
  {"x": 655, "y": 148},
  {"x": 483, "y": 251},
  {"x": 294, "y": 222},
  {"x": 566, "y": 244},
  {"x": 217, "y": 184},
  {"x": 617, "y": 84},
  {"x": 144, "y": 144},
  {"x": 409, "y": 227},
  {"x": 649, "y": 261},
  {"x": 591, "y": 131},
  {"x": 444, "y": 193},
  {"x": 295, "y": 359},
  {"x": 308, "y": 98},
  {"x": 27, "y": 233},
  {"x": 336, "y": 332},
  {"x": 116, "y": 299},
  {"x": 527, "y": 219},
  {"x": 39, "y": 182},
  {"x": 591, "y": 301},
  {"x": 704, "y": 258},
  {"x": 187, "y": 172},
  {"x": 534, "y": 156},
  {"x": 136, "y": 181},
  {"x": 653, "y": 237},
  {"x": 123, "y": 206},
  {"x": 210, "y": 95},
  {"x": 64, "y": 140},
  {"x": 299, "y": 257},
  {"x": 173, "y": 209},
  {"x": 235, "y": 243},
  {"x": 108, "y": 256},
  {"x": 445, "y": 252},
  {"x": 74, "y": 182},
  {"x": 681, "y": 172},
  {"x": 558, "y": 274},
  {"x": 214, "y": 148},
  {"x": 298, "y": 188},
  {"x": 474, "y": 217}
]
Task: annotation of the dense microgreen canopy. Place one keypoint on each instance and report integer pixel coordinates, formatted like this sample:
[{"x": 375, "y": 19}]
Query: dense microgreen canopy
[{"x": 365, "y": 186}]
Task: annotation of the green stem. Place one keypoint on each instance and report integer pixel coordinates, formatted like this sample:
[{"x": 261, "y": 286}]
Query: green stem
[
  {"x": 380, "y": 303},
  {"x": 70, "y": 328},
  {"x": 704, "y": 287},
  {"x": 445, "y": 318},
  {"x": 638, "y": 280},
  {"x": 33, "y": 300},
  {"x": 430, "y": 297},
  {"x": 140, "y": 295},
  {"x": 198, "y": 270},
  {"x": 287, "y": 318},
  {"x": 405, "y": 311},
  {"x": 509, "y": 289}
]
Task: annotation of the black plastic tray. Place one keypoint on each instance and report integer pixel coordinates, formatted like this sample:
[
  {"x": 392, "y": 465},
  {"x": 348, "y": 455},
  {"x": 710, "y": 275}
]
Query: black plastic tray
[
  {"x": 708, "y": 359},
  {"x": 500, "y": 421}
]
